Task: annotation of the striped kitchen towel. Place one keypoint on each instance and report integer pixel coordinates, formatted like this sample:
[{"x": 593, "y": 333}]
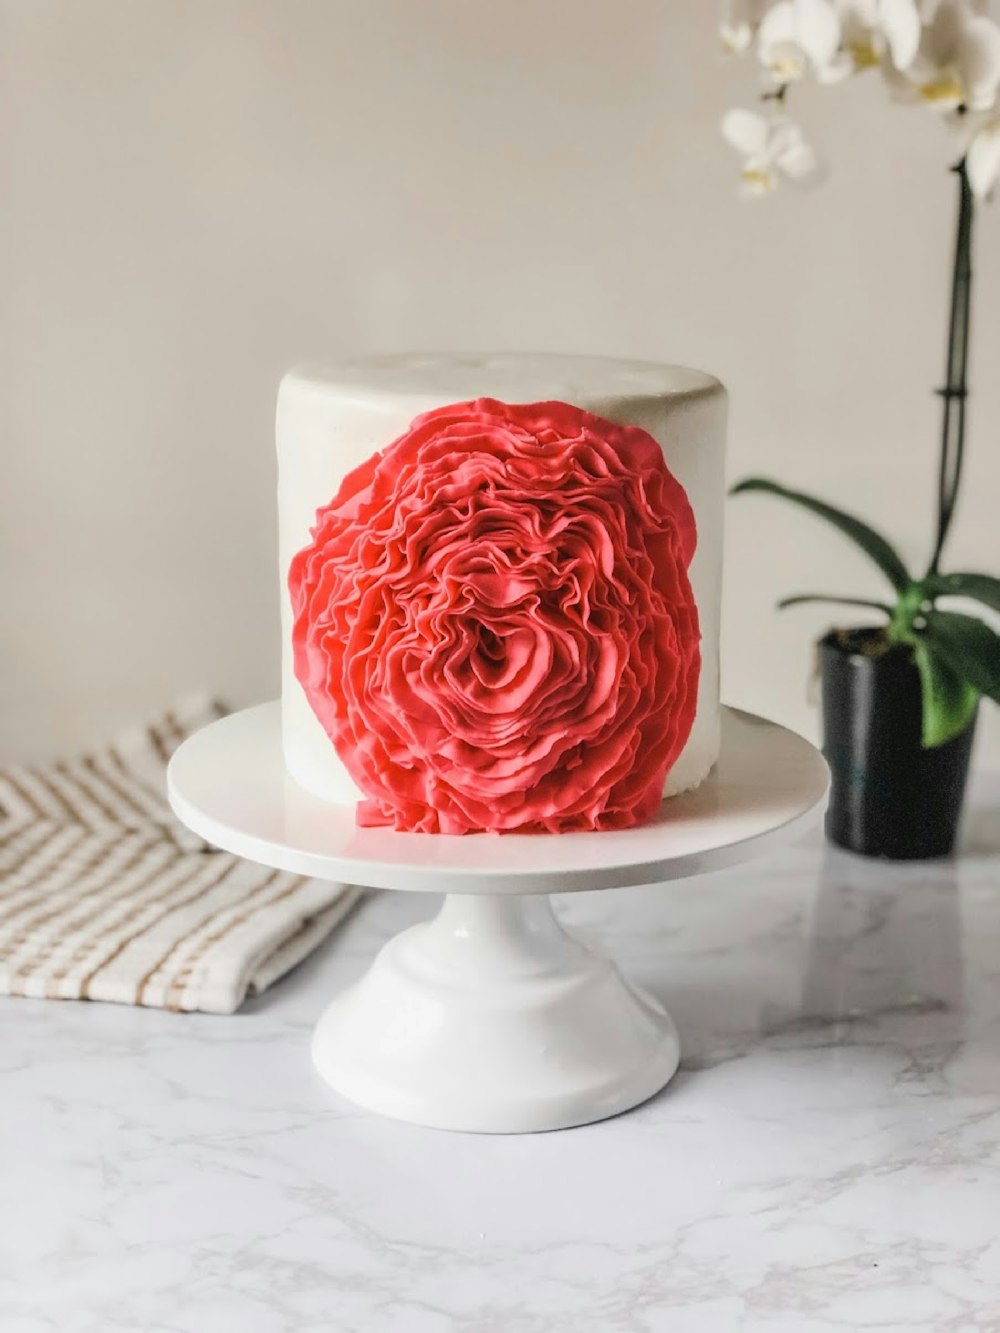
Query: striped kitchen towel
[{"x": 104, "y": 895}]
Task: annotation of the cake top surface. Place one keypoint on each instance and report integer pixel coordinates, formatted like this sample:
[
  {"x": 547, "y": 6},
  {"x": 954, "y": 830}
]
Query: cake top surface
[{"x": 511, "y": 377}]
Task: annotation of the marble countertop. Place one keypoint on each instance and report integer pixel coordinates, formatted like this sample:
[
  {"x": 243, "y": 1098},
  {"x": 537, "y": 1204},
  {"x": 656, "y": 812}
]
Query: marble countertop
[{"x": 828, "y": 1156}]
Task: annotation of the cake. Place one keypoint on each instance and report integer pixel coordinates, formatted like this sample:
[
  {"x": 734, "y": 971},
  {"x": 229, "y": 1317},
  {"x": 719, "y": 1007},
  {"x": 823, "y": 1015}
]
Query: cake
[{"x": 500, "y": 586}]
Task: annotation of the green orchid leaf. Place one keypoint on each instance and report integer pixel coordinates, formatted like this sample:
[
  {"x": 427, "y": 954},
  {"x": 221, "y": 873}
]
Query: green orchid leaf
[
  {"x": 948, "y": 701},
  {"x": 981, "y": 587},
  {"x": 872, "y": 543},
  {"x": 800, "y": 598},
  {"x": 968, "y": 646}
]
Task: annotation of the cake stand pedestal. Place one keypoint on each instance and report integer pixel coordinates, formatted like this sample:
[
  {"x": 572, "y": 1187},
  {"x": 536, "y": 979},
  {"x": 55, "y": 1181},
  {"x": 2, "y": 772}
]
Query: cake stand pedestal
[{"x": 492, "y": 1017}]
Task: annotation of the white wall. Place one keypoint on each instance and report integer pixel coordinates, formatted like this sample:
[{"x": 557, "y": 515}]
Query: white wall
[{"x": 194, "y": 195}]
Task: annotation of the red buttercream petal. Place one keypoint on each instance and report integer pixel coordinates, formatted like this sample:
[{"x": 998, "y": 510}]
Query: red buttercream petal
[{"x": 494, "y": 624}]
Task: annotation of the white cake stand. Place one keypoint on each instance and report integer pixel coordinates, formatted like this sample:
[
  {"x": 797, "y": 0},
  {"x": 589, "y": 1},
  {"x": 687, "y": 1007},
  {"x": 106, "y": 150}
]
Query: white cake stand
[{"x": 492, "y": 1017}]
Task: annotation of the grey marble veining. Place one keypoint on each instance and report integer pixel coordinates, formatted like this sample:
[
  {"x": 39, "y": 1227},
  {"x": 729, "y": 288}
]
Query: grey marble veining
[{"x": 827, "y": 1158}]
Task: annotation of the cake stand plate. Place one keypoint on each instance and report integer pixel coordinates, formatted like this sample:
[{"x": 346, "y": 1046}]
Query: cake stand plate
[{"x": 493, "y": 1017}]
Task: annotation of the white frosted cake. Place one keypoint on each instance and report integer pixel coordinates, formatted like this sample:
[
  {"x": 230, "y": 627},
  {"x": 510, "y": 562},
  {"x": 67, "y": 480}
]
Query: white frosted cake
[{"x": 497, "y": 612}]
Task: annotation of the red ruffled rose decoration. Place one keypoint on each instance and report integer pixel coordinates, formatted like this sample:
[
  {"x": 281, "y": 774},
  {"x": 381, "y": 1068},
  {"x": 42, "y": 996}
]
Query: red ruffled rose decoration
[{"x": 494, "y": 623}]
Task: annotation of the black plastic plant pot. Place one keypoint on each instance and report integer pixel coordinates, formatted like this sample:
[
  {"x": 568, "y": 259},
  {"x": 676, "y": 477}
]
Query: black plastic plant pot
[{"x": 889, "y": 796}]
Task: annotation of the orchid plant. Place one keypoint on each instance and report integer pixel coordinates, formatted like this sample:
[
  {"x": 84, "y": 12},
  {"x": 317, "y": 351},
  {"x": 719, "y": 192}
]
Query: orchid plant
[{"x": 944, "y": 55}]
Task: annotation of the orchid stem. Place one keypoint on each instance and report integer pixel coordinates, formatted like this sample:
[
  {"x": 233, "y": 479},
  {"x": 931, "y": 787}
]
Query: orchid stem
[{"x": 955, "y": 391}]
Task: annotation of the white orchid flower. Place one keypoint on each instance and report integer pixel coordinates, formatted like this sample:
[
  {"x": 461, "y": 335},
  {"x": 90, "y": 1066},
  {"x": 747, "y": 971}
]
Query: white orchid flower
[
  {"x": 796, "y": 36},
  {"x": 980, "y": 133},
  {"x": 872, "y": 32},
  {"x": 772, "y": 148},
  {"x": 957, "y": 63},
  {"x": 739, "y": 24}
]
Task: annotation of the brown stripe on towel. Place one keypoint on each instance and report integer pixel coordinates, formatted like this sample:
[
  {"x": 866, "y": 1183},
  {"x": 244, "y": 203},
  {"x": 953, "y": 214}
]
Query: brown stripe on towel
[
  {"x": 147, "y": 978},
  {"x": 179, "y": 982},
  {"x": 165, "y": 859},
  {"x": 199, "y": 889},
  {"x": 103, "y": 860}
]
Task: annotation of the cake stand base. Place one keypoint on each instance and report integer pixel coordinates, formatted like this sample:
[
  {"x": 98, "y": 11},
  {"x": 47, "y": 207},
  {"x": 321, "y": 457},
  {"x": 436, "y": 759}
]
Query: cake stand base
[{"x": 492, "y": 1017}]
